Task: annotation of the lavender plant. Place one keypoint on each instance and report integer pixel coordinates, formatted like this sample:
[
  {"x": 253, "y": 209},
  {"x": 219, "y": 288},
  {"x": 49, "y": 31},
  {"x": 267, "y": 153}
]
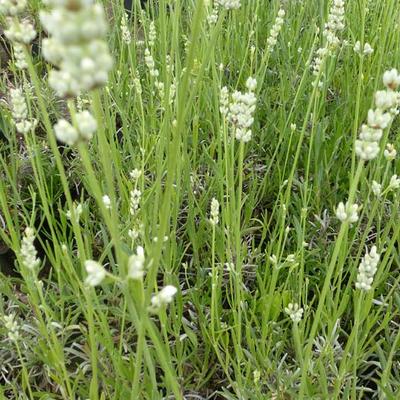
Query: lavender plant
[{"x": 199, "y": 199}]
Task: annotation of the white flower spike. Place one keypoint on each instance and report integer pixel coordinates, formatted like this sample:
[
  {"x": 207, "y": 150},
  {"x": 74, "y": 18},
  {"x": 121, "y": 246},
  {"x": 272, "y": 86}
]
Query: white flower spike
[
  {"x": 96, "y": 273},
  {"x": 229, "y": 4},
  {"x": 295, "y": 312},
  {"x": 347, "y": 212},
  {"x": 164, "y": 297},
  {"x": 387, "y": 103},
  {"x": 28, "y": 250},
  {"x": 367, "y": 269},
  {"x": 136, "y": 264},
  {"x": 76, "y": 46},
  {"x": 214, "y": 213}
]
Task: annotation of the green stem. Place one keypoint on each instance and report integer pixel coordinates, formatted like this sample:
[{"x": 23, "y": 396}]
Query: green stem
[{"x": 326, "y": 287}]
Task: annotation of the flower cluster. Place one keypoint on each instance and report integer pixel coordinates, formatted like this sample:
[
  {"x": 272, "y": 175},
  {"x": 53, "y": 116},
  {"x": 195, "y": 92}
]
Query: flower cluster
[
  {"x": 106, "y": 201},
  {"x": 28, "y": 250},
  {"x": 12, "y": 326},
  {"x": 135, "y": 174},
  {"x": 212, "y": 17},
  {"x": 335, "y": 23},
  {"x": 367, "y": 269},
  {"x": 347, "y": 212},
  {"x": 390, "y": 152},
  {"x": 276, "y": 28},
  {"x": 95, "y": 273},
  {"x": 20, "y": 112},
  {"x": 229, "y": 4},
  {"x": 76, "y": 46},
  {"x": 154, "y": 73},
  {"x": 214, "y": 213},
  {"x": 394, "y": 183},
  {"x": 294, "y": 311},
  {"x": 75, "y": 213},
  {"x": 125, "y": 31},
  {"x": 136, "y": 264},
  {"x": 12, "y": 7},
  {"x": 163, "y": 297},
  {"x": 18, "y": 31},
  {"x": 136, "y": 83},
  {"x": 19, "y": 108},
  {"x": 152, "y": 34},
  {"x": 19, "y": 55},
  {"x": 135, "y": 196},
  {"x": 224, "y": 101},
  {"x": 86, "y": 126},
  {"x": 239, "y": 111},
  {"x": 366, "y": 50},
  {"x": 22, "y": 30},
  {"x": 318, "y": 62},
  {"x": 376, "y": 188},
  {"x": 386, "y": 102},
  {"x": 149, "y": 60}
]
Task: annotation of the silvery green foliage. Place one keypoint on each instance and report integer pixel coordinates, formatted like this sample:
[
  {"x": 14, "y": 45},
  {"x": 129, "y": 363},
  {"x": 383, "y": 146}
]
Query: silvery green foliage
[{"x": 76, "y": 45}]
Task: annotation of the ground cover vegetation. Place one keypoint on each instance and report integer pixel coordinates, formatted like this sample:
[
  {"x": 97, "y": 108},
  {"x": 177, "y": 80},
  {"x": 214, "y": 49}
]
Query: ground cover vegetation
[{"x": 199, "y": 199}]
